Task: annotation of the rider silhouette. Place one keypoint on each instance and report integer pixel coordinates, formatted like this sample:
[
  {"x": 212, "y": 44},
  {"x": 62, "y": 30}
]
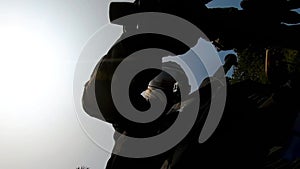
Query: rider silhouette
[{"x": 247, "y": 131}]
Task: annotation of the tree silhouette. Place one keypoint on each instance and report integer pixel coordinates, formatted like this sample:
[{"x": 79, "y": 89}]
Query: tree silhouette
[
  {"x": 82, "y": 167},
  {"x": 251, "y": 63}
]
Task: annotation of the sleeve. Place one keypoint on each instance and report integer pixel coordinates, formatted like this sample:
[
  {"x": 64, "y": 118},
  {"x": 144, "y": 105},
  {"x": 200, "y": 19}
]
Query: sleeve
[{"x": 89, "y": 101}]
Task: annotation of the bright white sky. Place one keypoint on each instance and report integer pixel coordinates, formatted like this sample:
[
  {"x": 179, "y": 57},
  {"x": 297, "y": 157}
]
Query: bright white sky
[{"x": 40, "y": 42}]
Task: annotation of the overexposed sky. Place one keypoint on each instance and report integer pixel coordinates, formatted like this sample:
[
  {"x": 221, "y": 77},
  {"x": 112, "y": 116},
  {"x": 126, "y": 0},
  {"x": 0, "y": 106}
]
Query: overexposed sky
[{"x": 40, "y": 42}]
